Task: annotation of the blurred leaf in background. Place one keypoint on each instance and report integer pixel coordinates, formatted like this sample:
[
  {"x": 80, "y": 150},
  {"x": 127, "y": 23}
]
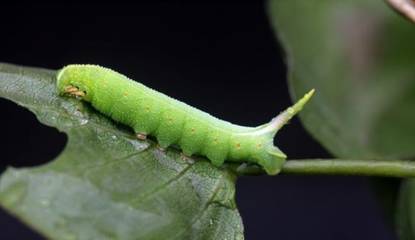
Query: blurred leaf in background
[{"x": 359, "y": 55}]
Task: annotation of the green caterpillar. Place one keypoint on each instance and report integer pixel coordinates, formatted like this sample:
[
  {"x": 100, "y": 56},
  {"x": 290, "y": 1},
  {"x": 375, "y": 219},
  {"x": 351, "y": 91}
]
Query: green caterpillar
[{"x": 172, "y": 122}]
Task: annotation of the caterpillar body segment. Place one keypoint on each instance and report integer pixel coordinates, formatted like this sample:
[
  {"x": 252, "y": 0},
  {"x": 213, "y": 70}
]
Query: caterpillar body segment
[{"x": 170, "y": 121}]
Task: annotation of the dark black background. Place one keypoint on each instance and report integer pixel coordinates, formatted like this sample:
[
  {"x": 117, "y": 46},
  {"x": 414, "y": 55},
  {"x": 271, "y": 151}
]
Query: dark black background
[{"x": 222, "y": 58}]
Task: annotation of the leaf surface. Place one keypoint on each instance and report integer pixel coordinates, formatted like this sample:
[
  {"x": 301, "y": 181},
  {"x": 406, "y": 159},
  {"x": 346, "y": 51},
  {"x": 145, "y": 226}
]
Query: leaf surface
[{"x": 106, "y": 184}]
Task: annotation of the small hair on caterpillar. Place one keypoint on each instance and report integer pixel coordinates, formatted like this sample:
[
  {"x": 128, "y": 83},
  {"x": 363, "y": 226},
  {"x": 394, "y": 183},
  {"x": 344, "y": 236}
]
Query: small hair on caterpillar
[{"x": 170, "y": 121}]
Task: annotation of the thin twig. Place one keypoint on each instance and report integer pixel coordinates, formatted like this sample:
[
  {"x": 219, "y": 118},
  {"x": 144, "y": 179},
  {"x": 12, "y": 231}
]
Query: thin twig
[
  {"x": 381, "y": 168},
  {"x": 398, "y": 168},
  {"x": 405, "y": 7}
]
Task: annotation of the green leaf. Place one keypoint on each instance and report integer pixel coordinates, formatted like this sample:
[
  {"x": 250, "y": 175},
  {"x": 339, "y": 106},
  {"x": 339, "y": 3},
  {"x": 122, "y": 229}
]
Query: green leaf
[
  {"x": 106, "y": 184},
  {"x": 359, "y": 55}
]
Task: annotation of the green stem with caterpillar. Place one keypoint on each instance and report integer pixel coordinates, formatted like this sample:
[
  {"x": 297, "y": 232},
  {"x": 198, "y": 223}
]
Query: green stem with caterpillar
[{"x": 351, "y": 167}]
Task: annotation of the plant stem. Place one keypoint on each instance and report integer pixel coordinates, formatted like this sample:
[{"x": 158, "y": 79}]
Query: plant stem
[{"x": 390, "y": 168}]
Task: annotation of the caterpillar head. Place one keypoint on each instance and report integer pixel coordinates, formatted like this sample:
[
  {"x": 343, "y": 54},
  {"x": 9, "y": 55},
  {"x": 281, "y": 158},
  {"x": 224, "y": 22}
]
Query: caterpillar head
[{"x": 73, "y": 80}]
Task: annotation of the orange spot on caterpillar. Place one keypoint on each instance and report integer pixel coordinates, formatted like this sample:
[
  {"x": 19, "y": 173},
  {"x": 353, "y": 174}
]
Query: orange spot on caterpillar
[
  {"x": 125, "y": 93},
  {"x": 259, "y": 145},
  {"x": 238, "y": 145}
]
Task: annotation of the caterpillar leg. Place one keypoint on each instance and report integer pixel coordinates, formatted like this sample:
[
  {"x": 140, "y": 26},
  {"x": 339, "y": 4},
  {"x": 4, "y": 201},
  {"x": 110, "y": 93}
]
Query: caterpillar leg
[
  {"x": 186, "y": 158},
  {"x": 141, "y": 136},
  {"x": 74, "y": 91},
  {"x": 163, "y": 143},
  {"x": 161, "y": 148},
  {"x": 216, "y": 161}
]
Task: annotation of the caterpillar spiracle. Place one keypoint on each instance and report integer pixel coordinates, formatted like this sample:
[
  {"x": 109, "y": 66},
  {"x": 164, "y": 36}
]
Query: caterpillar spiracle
[{"x": 172, "y": 122}]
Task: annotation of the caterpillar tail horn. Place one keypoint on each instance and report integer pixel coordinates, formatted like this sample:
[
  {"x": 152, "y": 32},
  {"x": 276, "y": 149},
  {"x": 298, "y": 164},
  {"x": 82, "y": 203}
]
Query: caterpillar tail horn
[
  {"x": 274, "y": 159},
  {"x": 284, "y": 117}
]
